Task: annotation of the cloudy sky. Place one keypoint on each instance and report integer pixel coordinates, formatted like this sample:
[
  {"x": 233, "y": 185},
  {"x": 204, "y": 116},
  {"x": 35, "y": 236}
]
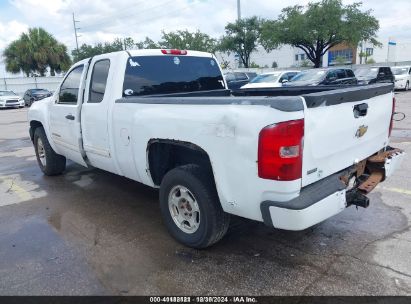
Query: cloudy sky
[{"x": 104, "y": 20}]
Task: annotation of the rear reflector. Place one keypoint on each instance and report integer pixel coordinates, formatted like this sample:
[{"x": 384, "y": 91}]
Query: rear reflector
[
  {"x": 280, "y": 148},
  {"x": 392, "y": 117},
  {"x": 174, "y": 52}
]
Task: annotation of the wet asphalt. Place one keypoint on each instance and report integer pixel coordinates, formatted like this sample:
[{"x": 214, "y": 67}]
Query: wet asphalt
[{"x": 89, "y": 232}]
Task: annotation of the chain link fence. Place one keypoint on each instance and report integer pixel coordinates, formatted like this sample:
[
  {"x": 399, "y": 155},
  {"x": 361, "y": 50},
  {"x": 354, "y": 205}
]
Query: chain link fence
[{"x": 21, "y": 84}]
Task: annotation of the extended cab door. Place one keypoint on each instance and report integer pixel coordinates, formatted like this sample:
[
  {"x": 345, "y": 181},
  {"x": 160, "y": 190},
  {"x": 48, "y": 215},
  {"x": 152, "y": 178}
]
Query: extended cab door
[
  {"x": 64, "y": 121},
  {"x": 95, "y": 112}
]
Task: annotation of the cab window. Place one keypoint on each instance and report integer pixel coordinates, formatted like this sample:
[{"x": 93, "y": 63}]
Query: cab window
[
  {"x": 70, "y": 86},
  {"x": 99, "y": 81}
]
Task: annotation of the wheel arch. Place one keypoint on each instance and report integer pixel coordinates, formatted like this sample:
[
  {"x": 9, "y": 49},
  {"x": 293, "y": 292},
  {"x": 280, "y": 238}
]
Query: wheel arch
[
  {"x": 34, "y": 124},
  {"x": 164, "y": 155}
]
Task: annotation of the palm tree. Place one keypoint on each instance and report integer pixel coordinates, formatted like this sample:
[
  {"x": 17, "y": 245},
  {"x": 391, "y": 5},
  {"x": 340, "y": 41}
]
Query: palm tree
[{"x": 36, "y": 51}]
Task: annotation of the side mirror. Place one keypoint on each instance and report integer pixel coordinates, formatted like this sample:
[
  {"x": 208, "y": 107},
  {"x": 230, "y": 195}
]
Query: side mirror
[
  {"x": 381, "y": 74},
  {"x": 284, "y": 80}
]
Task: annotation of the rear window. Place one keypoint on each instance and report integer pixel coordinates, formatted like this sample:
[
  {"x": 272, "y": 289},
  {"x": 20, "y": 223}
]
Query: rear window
[
  {"x": 151, "y": 75},
  {"x": 341, "y": 74},
  {"x": 350, "y": 73}
]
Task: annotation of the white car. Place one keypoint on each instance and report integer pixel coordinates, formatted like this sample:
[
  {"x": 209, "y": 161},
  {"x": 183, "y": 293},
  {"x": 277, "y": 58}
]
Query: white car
[
  {"x": 9, "y": 99},
  {"x": 165, "y": 118},
  {"x": 402, "y": 76},
  {"x": 270, "y": 80}
]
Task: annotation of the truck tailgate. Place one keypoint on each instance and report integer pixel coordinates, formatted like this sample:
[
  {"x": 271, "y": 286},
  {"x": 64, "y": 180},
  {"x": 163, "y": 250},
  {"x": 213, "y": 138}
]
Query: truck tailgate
[{"x": 343, "y": 127}]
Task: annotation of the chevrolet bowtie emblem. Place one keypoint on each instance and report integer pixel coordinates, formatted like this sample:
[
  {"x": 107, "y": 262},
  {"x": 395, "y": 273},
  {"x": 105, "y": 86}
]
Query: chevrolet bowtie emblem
[{"x": 361, "y": 131}]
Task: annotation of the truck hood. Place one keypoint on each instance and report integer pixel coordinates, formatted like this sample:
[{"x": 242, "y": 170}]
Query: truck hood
[{"x": 8, "y": 97}]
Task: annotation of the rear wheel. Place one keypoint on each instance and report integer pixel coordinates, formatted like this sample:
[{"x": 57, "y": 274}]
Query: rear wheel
[
  {"x": 49, "y": 161},
  {"x": 190, "y": 207}
]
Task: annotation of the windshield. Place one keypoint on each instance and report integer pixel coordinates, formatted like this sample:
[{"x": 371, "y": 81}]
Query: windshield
[
  {"x": 266, "y": 78},
  {"x": 7, "y": 93},
  {"x": 39, "y": 91},
  {"x": 399, "y": 71},
  {"x": 310, "y": 75},
  {"x": 367, "y": 72},
  {"x": 149, "y": 75}
]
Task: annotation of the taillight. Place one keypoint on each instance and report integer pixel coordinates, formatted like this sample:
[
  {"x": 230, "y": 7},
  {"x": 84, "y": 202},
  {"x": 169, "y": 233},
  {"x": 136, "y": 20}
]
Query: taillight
[
  {"x": 174, "y": 52},
  {"x": 280, "y": 148},
  {"x": 392, "y": 117}
]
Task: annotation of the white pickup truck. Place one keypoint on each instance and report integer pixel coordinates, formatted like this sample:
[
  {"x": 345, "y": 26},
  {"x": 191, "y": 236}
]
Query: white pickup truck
[{"x": 164, "y": 118}]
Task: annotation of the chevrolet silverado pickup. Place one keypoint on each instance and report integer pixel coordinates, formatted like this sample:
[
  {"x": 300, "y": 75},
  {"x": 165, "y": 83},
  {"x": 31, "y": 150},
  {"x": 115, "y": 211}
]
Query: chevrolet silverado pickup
[{"x": 165, "y": 118}]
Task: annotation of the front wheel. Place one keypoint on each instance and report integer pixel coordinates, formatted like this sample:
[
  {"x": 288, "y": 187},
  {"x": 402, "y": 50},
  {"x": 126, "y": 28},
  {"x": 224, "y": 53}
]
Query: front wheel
[
  {"x": 49, "y": 161},
  {"x": 190, "y": 207}
]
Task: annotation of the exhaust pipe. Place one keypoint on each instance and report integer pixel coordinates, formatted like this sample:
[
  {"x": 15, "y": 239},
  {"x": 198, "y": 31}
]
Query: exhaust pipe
[{"x": 355, "y": 197}]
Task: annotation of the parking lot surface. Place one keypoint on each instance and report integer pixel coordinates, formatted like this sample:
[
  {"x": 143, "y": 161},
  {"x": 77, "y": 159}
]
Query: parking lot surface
[{"x": 91, "y": 232}]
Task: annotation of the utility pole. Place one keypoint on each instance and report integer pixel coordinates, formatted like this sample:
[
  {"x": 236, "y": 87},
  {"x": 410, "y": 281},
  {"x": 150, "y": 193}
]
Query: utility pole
[
  {"x": 238, "y": 10},
  {"x": 75, "y": 31}
]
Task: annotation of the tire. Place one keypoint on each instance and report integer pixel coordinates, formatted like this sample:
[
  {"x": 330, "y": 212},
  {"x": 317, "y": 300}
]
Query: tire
[
  {"x": 210, "y": 222},
  {"x": 49, "y": 161}
]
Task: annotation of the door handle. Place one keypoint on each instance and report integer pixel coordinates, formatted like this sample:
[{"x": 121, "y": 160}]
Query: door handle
[{"x": 69, "y": 116}]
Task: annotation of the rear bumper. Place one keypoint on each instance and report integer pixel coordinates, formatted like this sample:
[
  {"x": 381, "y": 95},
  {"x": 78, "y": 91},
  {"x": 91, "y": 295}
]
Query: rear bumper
[{"x": 316, "y": 202}]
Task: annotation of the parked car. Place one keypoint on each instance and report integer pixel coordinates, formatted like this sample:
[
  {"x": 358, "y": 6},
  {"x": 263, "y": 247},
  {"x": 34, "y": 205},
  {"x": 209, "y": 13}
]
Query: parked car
[
  {"x": 402, "y": 75},
  {"x": 9, "y": 99},
  {"x": 33, "y": 95},
  {"x": 165, "y": 118},
  {"x": 270, "y": 80},
  {"x": 370, "y": 75},
  {"x": 323, "y": 76},
  {"x": 236, "y": 80}
]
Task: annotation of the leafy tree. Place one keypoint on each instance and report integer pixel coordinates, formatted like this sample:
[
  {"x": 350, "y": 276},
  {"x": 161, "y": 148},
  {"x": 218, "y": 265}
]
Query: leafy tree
[
  {"x": 274, "y": 64},
  {"x": 306, "y": 64},
  {"x": 147, "y": 44},
  {"x": 340, "y": 60},
  {"x": 86, "y": 50},
  {"x": 36, "y": 51},
  {"x": 362, "y": 55},
  {"x": 370, "y": 61},
  {"x": 320, "y": 26},
  {"x": 186, "y": 40},
  {"x": 254, "y": 65},
  {"x": 242, "y": 38}
]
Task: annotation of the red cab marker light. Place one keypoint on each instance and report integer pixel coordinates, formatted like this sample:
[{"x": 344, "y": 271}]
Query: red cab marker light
[{"x": 174, "y": 52}]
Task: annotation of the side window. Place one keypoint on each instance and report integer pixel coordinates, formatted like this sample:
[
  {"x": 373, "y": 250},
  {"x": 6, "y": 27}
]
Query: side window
[
  {"x": 388, "y": 71},
  {"x": 99, "y": 81},
  {"x": 240, "y": 76},
  {"x": 350, "y": 73},
  {"x": 341, "y": 74},
  {"x": 291, "y": 75},
  {"x": 69, "y": 89},
  {"x": 332, "y": 75}
]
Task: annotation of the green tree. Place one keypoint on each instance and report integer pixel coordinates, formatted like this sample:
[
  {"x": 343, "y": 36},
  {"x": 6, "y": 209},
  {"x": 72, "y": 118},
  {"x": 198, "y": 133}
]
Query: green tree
[
  {"x": 340, "y": 60},
  {"x": 147, "y": 44},
  {"x": 320, "y": 26},
  {"x": 35, "y": 52},
  {"x": 186, "y": 40},
  {"x": 242, "y": 38},
  {"x": 87, "y": 51},
  {"x": 254, "y": 65},
  {"x": 274, "y": 65},
  {"x": 370, "y": 61}
]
